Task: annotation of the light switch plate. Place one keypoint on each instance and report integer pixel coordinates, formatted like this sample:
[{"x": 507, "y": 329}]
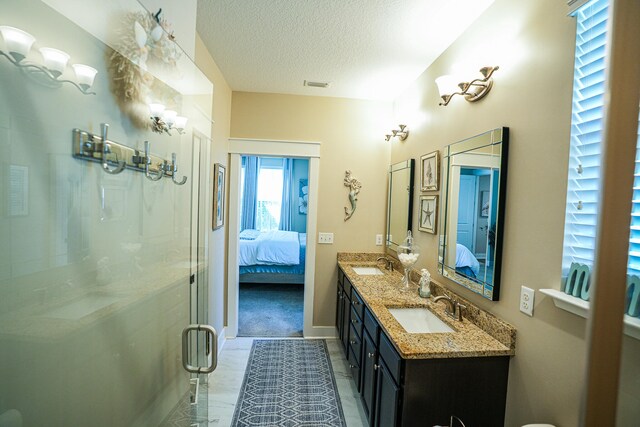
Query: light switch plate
[
  {"x": 527, "y": 297},
  {"x": 378, "y": 239},
  {"x": 325, "y": 238}
]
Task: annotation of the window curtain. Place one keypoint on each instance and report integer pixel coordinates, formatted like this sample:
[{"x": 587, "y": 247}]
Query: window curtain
[
  {"x": 287, "y": 196},
  {"x": 250, "y": 194}
]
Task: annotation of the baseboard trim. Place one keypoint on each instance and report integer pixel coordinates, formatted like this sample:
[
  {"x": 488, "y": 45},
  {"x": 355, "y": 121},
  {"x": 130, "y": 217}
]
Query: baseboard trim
[{"x": 321, "y": 332}]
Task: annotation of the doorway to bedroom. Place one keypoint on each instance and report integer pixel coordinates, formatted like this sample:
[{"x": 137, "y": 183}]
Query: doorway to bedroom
[{"x": 272, "y": 246}]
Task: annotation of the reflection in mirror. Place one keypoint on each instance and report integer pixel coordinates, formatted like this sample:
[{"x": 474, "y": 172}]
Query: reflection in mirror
[
  {"x": 474, "y": 177},
  {"x": 400, "y": 203}
]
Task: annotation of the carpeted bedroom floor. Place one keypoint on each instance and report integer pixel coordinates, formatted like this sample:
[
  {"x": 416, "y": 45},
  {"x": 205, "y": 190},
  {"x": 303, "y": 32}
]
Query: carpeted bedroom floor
[{"x": 270, "y": 310}]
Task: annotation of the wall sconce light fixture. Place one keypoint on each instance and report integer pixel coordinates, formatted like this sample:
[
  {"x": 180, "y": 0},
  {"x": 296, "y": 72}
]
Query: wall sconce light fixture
[
  {"x": 401, "y": 133},
  {"x": 18, "y": 44},
  {"x": 472, "y": 91},
  {"x": 163, "y": 120}
]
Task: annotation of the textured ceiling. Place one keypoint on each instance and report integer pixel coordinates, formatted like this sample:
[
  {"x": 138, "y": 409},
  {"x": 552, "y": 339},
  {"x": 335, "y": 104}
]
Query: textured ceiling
[{"x": 370, "y": 49}]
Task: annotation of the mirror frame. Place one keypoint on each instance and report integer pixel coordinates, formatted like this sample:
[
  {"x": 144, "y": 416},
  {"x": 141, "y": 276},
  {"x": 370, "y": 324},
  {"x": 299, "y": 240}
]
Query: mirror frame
[
  {"x": 390, "y": 247},
  {"x": 498, "y": 136}
]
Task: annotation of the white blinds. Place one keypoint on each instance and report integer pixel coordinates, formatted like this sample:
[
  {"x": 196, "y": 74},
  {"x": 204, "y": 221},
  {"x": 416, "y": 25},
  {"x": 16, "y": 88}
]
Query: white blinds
[{"x": 586, "y": 137}]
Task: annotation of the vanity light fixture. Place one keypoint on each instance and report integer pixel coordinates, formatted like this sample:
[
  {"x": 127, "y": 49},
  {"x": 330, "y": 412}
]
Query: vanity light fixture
[
  {"x": 472, "y": 91},
  {"x": 18, "y": 44},
  {"x": 401, "y": 133},
  {"x": 163, "y": 120}
]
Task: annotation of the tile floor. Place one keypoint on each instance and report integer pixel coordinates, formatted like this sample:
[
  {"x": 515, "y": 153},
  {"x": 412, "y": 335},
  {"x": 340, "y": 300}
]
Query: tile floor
[{"x": 226, "y": 381}]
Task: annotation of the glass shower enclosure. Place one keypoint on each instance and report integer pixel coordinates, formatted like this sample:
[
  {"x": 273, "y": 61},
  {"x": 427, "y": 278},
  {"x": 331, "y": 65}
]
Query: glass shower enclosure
[{"x": 103, "y": 262}]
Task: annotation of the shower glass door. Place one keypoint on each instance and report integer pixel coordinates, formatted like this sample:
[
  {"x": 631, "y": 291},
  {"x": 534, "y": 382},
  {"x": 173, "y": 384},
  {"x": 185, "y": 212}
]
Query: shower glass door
[{"x": 96, "y": 259}]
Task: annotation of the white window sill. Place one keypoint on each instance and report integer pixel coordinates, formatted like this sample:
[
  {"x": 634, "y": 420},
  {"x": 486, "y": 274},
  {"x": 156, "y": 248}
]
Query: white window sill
[{"x": 580, "y": 307}]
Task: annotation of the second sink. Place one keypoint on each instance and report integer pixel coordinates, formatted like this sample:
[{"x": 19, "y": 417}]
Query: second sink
[
  {"x": 368, "y": 271},
  {"x": 419, "y": 321}
]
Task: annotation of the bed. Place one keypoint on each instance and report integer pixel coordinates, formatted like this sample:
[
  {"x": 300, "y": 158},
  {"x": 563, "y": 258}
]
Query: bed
[
  {"x": 272, "y": 256},
  {"x": 466, "y": 262}
]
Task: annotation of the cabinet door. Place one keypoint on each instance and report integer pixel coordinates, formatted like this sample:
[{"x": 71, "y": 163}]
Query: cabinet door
[
  {"x": 346, "y": 309},
  {"x": 387, "y": 398},
  {"x": 368, "y": 385},
  {"x": 339, "y": 312}
]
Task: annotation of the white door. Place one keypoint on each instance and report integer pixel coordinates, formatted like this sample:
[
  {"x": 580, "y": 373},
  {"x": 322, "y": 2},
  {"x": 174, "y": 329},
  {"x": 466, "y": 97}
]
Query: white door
[{"x": 466, "y": 210}]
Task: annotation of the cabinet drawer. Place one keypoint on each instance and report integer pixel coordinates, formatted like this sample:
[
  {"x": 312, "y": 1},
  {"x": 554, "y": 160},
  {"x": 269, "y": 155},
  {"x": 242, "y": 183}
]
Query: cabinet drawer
[
  {"x": 355, "y": 342},
  {"x": 357, "y": 303},
  {"x": 356, "y": 321},
  {"x": 354, "y": 368},
  {"x": 347, "y": 287},
  {"x": 340, "y": 276},
  {"x": 371, "y": 325},
  {"x": 391, "y": 357}
]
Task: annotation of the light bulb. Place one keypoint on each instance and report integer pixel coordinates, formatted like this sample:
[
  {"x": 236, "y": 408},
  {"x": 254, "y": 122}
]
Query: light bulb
[
  {"x": 54, "y": 60},
  {"x": 169, "y": 117},
  {"x": 85, "y": 75},
  {"x": 446, "y": 85},
  {"x": 18, "y": 42},
  {"x": 180, "y": 122},
  {"x": 156, "y": 110}
]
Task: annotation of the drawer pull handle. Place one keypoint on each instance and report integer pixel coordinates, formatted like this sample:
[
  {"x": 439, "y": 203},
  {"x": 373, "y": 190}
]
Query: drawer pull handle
[
  {"x": 375, "y": 367},
  {"x": 352, "y": 366},
  {"x": 354, "y": 321},
  {"x": 356, "y": 303},
  {"x": 370, "y": 355},
  {"x": 352, "y": 342}
]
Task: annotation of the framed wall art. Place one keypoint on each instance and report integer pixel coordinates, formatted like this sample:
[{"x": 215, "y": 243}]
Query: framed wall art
[
  {"x": 429, "y": 171},
  {"x": 219, "y": 175},
  {"x": 428, "y": 214}
]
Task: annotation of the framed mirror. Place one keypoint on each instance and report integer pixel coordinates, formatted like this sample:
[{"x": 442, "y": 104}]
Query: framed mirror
[
  {"x": 474, "y": 177},
  {"x": 399, "y": 204}
]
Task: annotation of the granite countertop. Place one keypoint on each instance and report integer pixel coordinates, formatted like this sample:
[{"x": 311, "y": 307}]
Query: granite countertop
[{"x": 488, "y": 336}]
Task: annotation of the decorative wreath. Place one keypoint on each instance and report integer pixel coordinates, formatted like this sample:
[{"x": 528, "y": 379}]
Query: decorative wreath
[{"x": 146, "y": 43}]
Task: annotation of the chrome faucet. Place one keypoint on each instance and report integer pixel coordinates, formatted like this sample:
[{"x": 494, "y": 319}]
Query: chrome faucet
[
  {"x": 387, "y": 261},
  {"x": 453, "y": 309}
]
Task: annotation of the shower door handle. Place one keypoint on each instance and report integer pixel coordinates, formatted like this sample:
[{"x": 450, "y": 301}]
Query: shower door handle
[{"x": 212, "y": 348}]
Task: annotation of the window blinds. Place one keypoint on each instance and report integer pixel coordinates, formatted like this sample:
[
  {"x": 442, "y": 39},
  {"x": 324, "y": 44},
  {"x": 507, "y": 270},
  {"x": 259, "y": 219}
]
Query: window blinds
[{"x": 586, "y": 139}]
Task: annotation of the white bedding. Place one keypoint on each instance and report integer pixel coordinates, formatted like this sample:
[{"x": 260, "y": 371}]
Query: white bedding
[
  {"x": 271, "y": 248},
  {"x": 465, "y": 258}
]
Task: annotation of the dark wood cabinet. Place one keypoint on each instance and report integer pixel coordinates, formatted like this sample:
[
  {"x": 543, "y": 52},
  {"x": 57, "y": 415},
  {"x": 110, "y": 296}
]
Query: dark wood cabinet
[
  {"x": 339, "y": 310},
  {"x": 346, "y": 321},
  {"x": 387, "y": 400},
  {"x": 368, "y": 378},
  {"x": 416, "y": 392}
]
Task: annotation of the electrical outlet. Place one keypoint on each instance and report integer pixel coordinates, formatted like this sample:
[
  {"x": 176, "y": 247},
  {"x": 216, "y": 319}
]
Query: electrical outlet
[
  {"x": 325, "y": 238},
  {"x": 527, "y": 297},
  {"x": 378, "y": 239}
]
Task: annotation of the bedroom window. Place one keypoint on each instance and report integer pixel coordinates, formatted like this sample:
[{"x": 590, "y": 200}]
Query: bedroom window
[
  {"x": 585, "y": 149},
  {"x": 269, "y": 194}
]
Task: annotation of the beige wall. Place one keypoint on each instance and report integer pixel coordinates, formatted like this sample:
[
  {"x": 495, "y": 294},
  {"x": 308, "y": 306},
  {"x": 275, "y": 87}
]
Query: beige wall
[
  {"x": 219, "y": 154},
  {"x": 533, "y": 43},
  {"x": 351, "y": 133}
]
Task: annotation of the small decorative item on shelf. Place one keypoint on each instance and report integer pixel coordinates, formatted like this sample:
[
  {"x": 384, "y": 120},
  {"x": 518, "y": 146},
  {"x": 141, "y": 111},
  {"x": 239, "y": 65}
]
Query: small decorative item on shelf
[
  {"x": 578, "y": 281},
  {"x": 408, "y": 254},
  {"x": 425, "y": 281}
]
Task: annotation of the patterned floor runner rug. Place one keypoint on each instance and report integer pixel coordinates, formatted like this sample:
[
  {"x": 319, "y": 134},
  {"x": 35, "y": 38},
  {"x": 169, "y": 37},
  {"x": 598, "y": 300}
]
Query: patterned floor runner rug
[{"x": 289, "y": 383}]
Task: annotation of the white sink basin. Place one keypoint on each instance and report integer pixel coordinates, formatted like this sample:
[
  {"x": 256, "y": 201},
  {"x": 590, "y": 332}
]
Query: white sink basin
[
  {"x": 419, "y": 321},
  {"x": 368, "y": 271},
  {"x": 84, "y": 306}
]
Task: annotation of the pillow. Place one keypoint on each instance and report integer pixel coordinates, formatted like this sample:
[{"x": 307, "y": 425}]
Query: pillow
[{"x": 249, "y": 234}]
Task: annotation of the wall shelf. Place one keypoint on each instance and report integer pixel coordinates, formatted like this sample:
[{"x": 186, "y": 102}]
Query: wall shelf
[{"x": 580, "y": 307}]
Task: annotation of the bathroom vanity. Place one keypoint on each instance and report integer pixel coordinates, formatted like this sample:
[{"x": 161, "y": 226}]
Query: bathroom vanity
[{"x": 419, "y": 378}]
